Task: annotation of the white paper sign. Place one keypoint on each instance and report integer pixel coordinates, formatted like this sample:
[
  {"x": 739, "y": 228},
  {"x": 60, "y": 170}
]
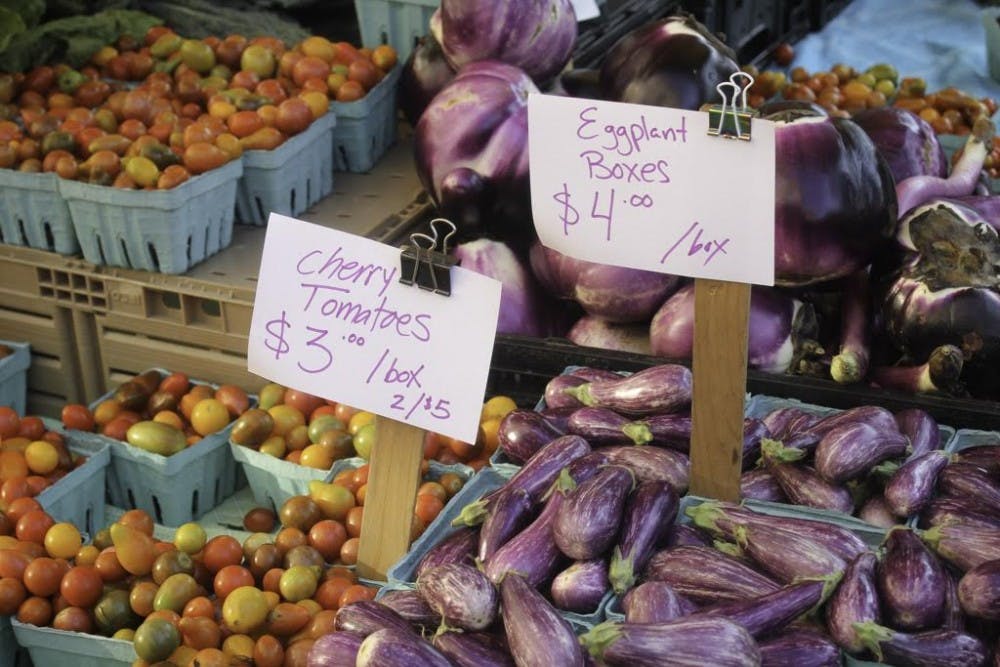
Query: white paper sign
[
  {"x": 647, "y": 188},
  {"x": 585, "y": 9},
  {"x": 331, "y": 318}
]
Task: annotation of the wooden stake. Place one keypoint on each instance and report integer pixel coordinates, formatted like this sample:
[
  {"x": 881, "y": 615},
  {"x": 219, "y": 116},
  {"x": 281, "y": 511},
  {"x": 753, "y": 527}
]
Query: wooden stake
[
  {"x": 722, "y": 312},
  {"x": 392, "y": 489}
]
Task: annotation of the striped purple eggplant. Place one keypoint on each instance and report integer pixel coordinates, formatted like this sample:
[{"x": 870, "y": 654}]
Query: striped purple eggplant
[
  {"x": 334, "y": 649},
  {"x": 785, "y": 422},
  {"x": 585, "y": 467},
  {"x": 538, "y": 636},
  {"x": 555, "y": 395},
  {"x": 964, "y": 546},
  {"x": 473, "y": 649},
  {"x": 411, "y": 605},
  {"x": 602, "y": 427},
  {"x": 965, "y": 480},
  {"x": 653, "y": 464},
  {"x": 649, "y": 513},
  {"x": 706, "y": 576},
  {"x": 910, "y": 582},
  {"x": 591, "y": 374},
  {"x": 954, "y": 617},
  {"x": 760, "y": 484},
  {"x": 787, "y": 555},
  {"x": 463, "y": 596},
  {"x": 921, "y": 429},
  {"x": 392, "y": 647},
  {"x": 850, "y": 450},
  {"x": 367, "y": 616},
  {"x": 511, "y": 511},
  {"x": 655, "y": 602},
  {"x": 986, "y": 457},
  {"x": 590, "y": 518},
  {"x": 522, "y": 433},
  {"x": 655, "y": 390},
  {"x": 979, "y": 591},
  {"x": 754, "y": 431},
  {"x": 772, "y": 611},
  {"x": 532, "y": 552},
  {"x": 797, "y": 648},
  {"x": 559, "y": 417},
  {"x": 541, "y": 470},
  {"x": 934, "y": 648},
  {"x": 581, "y": 586},
  {"x": 911, "y": 487},
  {"x": 458, "y": 547},
  {"x": 670, "y": 430},
  {"x": 802, "y": 485},
  {"x": 875, "y": 510},
  {"x": 855, "y": 601},
  {"x": 692, "y": 640},
  {"x": 877, "y": 417},
  {"x": 684, "y": 535},
  {"x": 953, "y": 510}
]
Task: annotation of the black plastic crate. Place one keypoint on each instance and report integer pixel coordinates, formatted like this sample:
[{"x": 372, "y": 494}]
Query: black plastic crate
[
  {"x": 822, "y": 12},
  {"x": 617, "y": 19}
]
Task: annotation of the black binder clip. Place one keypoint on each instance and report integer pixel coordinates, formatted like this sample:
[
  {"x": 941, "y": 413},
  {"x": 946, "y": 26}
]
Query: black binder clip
[
  {"x": 424, "y": 265},
  {"x": 731, "y": 119}
]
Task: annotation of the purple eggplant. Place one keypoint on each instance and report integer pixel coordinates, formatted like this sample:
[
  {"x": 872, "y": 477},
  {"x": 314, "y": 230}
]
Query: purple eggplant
[
  {"x": 655, "y": 390},
  {"x": 601, "y": 426},
  {"x": 979, "y": 591},
  {"x": 424, "y": 74},
  {"x": 803, "y": 485},
  {"x": 910, "y": 582},
  {"x": 760, "y": 484},
  {"x": 367, "y": 616},
  {"x": 692, "y": 640},
  {"x": 507, "y": 515},
  {"x": 707, "y": 576},
  {"x": 473, "y": 649},
  {"x": 537, "y": 634},
  {"x": 649, "y": 514},
  {"x": 598, "y": 332},
  {"x": 334, "y": 649},
  {"x": 411, "y": 605},
  {"x": 783, "y": 422},
  {"x": 589, "y": 520},
  {"x": 463, "y": 596},
  {"x": 935, "y": 648},
  {"x": 532, "y": 552},
  {"x": 855, "y": 601},
  {"x": 754, "y": 432},
  {"x": 670, "y": 430},
  {"x": 797, "y": 648},
  {"x": 920, "y": 428},
  {"x": 522, "y": 433},
  {"x": 773, "y": 611},
  {"x": 582, "y": 469},
  {"x": 788, "y": 555},
  {"x": 986, "y": 457},
  {"x": 684, "y": 535},
  {"x": 581, "y": 586},
  {"x": 954, "y": 617},
  {"x": 393, "y": 647},
  {"x": 655, "y": 602},
  {"x": 951, "y": 510},
  {"x": 877, "y": 417},
  {"x": 906, "y": 141},
  {"x": 591, "y": 374},
  {"x": 559, "y": 417},
  {"x": 911, "y": 487},
  {"x": 555, "y": 395},
  {"x": 653, "y": 464},
  {"x": 966, "y": 480},
  {"x": 850, "y": 364},
  {"x": 875, "y": 510},
  {"x": 964, "y": 546},
  {"x": 458, "y": 547},
  {"x": 849, "y": 451}
]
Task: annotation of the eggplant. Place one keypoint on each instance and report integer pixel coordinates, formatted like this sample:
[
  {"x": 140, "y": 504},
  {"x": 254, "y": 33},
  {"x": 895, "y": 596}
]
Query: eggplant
[
  {"x": 802, "y": 485},
  {"x": 940, "y": 374},
  {"x": 653, "y": 464},
  {"x": 655, "y": 602},
  {"x": 787, "y": 555},
  {"x": 911, "y": 487},
  {"x": 589, "y": 520},
  {"x": 649, "y": 514},
  {"x": 876, "y": 511},
  {"x": 954, "y": 617},
  {"x": 393, "y": 647},
  {"x": 760, "y": 484},
  {"x": 754, "y": 432},
  {"x": 966, "y": 480},
  {"x": 537, "y": 634},
  {"x": 463, "y": 596},
  {"x": 671, "y": 430},
  {"x": 559, "y": 417},
  {"x": 935, "y": 648},
  {"x": 905, "y": 140},
  {"x": 334, "y": 649},
  {"x": 773, "y": 611},
  {"x": 783, "y": 422},
  {"x": 458, "y": 547},
  {"x": 555, "y": 395},
  {"x": 655, "y": 390},
  {"x": 855, "y": 601},
  {"x": 684, "y": 535},
  {"x": 532, "y": 552},
  {"x": 851, "y": 450},
  {"x": 964, "y": 546},
  {"x": 911, "y": 582},
  {"x": 850, "y": 365},
  {"x": 797, "y": 648},
  {"x": 601, "y": 426},
  {"x": 424, "y": 74},
  {"x": 921, "y": 429},
  {"x": 507, "y": 515},
  {"x": 581, "y": 587},
  {"x": 873, "y": 415},
  {"x": 594, "y": 331},
  {"x": 592, "y": 374},
  {"x": 707, "y": 576},
  {"x": 979, "y": 591},
  {"x": 473, "y": 649},
  {"x": 523, "y": 432},
  {"x": 953, "y": 510},
  {"x": 365, "y": 617},
  {"x": 582, "y": 469},
  {"x": 411, "y": 605},
  {"x": 986, "y": 457},
  {"x": 692, "y": 640}
]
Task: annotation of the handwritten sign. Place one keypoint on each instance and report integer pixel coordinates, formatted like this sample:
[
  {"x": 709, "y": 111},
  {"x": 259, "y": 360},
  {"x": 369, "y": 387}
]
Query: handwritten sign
[
  {"x": 331, "y": 318},
  {"x": 585, "y": 9},
  {"x": 646, "y": 187}
]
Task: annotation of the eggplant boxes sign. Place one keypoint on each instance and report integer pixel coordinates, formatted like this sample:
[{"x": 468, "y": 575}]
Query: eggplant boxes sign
[
  {"x": 331, "y": 318},
  {"x": 649, "y": 188}
]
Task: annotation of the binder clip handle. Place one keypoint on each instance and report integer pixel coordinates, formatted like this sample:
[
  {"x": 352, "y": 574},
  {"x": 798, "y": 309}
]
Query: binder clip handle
[
  {"x": 423, "y": 265},
  {"x": 731, "y": 119}
]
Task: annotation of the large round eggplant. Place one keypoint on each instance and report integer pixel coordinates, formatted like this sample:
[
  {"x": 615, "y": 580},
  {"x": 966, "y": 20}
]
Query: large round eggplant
[
  {"x": 581, "y": 586},
  {"x": 537, "y": 634},
  {"x": 655, "y": 390},
  {"x": 692, "y": 640},
  {"x": 653, "y": 464},
  {"x": 935, "y": 648},
  {"x": 522, "y": 433},
  {"x": 458, "y": 547},
  {"x": 590, "y": 518},
  {"x": 964, "y": 546},
  {"x": 911, "y": 487},
  {"x": 507, "y": 515},
  {"x": 905, "y": 140},
  {"x": 707, "y": 576},
  {"x": 910, "y": 582},
  {"x": 772, "y": 611},
  {"x": 655, "y": 602},
  {"x": 979, "y": 591},
  {"x": 392, "y": 647},
  {"x": 855, "y": 601},
  {"x": 367, "y": 616},
  {"x": 797, "y": 648},
  {"x": 463, "y": 596},
  {"x": 649, "y": 514},
  {"x": 852, "y": 450},
  {"x": 473, "y": 649}
]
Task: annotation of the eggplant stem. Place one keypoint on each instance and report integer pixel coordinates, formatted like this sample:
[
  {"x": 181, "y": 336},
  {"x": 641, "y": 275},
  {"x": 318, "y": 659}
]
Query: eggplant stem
[
  {"x": 638, "y": 432},
  {"x": 621, "y": 572}
]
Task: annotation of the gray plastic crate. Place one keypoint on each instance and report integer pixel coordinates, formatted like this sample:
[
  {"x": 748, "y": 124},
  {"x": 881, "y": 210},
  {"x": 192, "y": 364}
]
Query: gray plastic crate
[
  {"x": 78, "y": 498},
  {"x": 14, "y": 376},
  {"x": 49, "y": 647},
  {"x": 33, "y": 213},
  {"x": 399, "y": 23},
  {"x": 366, "y": 128}
]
